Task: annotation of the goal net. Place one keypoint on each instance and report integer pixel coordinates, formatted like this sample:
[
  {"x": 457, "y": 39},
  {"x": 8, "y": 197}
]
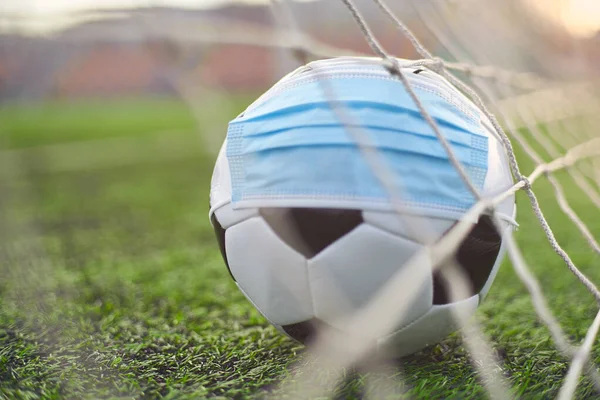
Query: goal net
[{"x": 526, "y": 64}]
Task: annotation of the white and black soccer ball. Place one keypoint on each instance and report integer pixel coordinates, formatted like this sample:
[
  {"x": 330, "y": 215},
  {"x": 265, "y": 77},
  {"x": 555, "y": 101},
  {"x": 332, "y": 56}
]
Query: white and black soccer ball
[{"x": 308, "y": 231}]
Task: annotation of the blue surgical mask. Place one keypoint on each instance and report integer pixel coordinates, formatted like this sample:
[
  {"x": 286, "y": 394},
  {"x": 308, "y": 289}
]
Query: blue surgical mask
[{"x": 292, "y": 149}]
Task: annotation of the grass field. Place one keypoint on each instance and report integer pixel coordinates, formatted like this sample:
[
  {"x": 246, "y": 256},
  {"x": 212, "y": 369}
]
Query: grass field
[{"x": 112, "y": 285}]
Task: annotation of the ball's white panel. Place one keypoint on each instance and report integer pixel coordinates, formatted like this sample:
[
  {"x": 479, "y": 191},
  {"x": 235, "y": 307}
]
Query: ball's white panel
[
  {"x": 228, "y": 217},
  {"x": 412, "y": 227},
  {"x": 508, "y": 230},
  {"x": 272, "y": 274},
  {"x": 346, "y": 275},
  {"x": 258, "y": 309},
  {"x": 220, "y": 185},
  {"x": 435, "y": 325}
]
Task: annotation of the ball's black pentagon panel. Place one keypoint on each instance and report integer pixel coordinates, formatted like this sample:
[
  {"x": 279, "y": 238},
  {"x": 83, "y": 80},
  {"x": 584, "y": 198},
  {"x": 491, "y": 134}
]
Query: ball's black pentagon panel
[
  {"x": 310, "y": 230},
  {"x": 476, "y": 257},
  {"x": 306, "y": 331},
  {"x": 303, "y": 331},
  {"x": 220, "y": 234}
]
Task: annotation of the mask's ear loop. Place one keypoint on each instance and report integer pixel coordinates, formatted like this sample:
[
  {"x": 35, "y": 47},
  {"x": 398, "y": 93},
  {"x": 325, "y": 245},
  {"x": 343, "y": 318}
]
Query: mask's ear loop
[{"x": 511, "y": 220}]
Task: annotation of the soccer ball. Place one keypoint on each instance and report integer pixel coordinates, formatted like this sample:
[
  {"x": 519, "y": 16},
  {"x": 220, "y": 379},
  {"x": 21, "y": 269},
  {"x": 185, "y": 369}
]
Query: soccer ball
[{"x": 309, "y": 230}]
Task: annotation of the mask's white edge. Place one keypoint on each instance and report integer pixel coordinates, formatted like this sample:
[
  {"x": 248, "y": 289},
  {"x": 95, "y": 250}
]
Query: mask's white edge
[{"x": 383, "y": 207}]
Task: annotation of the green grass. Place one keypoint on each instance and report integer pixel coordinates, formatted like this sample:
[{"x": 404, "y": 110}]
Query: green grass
[
  {"x": 59, "y": 122},
  {"x": 112, "y": 285}
]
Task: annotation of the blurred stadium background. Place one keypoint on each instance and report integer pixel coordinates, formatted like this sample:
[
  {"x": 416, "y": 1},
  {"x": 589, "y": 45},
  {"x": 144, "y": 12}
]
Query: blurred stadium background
[
  {"x": 121, "y": 54},
  {"x": 110, "y": 118}
]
